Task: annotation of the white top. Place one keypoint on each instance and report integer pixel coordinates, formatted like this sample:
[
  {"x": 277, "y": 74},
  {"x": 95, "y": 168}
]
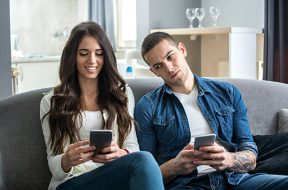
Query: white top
[
  {"x": 91, "y": 120},
  {"x": 197, "y": 122}
]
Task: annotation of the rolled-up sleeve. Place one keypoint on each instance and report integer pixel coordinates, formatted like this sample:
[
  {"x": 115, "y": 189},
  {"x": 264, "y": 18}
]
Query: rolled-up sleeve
[{"x": 242, "y": 133}]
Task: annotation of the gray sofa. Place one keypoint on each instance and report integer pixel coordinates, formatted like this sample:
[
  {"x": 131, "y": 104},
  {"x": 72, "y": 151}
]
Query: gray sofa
[{"x": 23, "y": 163}]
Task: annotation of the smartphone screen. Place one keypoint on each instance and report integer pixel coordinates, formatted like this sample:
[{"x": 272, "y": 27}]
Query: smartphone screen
[{"x": 100, "y": 139}]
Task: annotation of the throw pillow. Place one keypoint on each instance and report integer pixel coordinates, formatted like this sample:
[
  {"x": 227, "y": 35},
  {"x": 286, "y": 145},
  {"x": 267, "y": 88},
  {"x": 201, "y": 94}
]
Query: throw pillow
[
  {"x": 272, "y": 154},
  {"x": 282, "y": 121}
]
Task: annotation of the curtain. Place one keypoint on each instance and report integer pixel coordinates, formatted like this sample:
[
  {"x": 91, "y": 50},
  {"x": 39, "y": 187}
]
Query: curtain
[
  {"x": 276, "y": 41},
  {"x": 101, "y": 11}
]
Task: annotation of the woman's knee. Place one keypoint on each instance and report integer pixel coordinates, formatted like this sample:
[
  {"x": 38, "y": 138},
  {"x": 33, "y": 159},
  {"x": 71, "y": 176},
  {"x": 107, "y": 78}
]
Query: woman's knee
[{"x": 145, "y": 159}]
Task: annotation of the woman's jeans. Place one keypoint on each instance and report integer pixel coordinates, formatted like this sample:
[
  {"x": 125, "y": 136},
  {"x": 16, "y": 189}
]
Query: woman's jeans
[
  {"x": 218, "y": 181},
  {"x": 135, "y": 171}
]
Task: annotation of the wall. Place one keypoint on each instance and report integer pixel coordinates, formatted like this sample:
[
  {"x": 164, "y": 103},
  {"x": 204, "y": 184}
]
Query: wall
[
  {"x": 159, "y": 14},
  {"x": 153, "y": 14},
  {"x": 170, "y": 13},
  {"x": 240, "y": 13},
  {"x": 45, "y": 23},
  {"x": 5, "y": 61}
]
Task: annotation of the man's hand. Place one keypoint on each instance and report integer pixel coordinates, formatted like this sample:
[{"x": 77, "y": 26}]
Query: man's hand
[
  {"x": 182, "y": 164},
  {"x": 217, "y": 157}
]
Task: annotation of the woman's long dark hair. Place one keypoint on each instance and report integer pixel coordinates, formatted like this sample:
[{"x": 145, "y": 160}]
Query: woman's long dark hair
[{"x": 66, "y": 104}]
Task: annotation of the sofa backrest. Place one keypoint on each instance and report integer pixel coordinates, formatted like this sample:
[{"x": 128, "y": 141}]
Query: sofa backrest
[
  {"x": 22, "y": 148},
  {"x": 23, "y": 163},
  {"x": 263, "y": 99}
]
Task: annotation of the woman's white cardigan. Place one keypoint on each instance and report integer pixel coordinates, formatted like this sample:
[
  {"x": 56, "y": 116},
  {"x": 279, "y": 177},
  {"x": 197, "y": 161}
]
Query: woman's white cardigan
[{"x": 54, "y": 162}]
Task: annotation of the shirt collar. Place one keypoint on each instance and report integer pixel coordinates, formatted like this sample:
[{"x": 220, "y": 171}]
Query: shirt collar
[
  {"x": 200, "y": 82},
  {"x": 202, "y": 86}
]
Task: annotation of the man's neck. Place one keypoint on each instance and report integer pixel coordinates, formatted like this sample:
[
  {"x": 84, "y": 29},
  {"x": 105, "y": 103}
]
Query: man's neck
[{"x": 187, "y": 86}]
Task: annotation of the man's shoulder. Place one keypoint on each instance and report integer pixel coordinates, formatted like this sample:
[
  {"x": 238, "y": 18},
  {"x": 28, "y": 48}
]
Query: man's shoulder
[
  {"x": 152, "y": 95},
  {"x": 212, "y": 84}
]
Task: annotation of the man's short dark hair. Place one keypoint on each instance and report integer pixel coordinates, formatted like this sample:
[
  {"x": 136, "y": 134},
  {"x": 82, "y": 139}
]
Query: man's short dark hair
[{"x": 153, "y": 39}]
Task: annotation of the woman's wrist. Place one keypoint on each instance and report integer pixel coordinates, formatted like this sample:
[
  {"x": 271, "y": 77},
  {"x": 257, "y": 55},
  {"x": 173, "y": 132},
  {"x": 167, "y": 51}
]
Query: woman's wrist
[
  {"x": 66, "y": 168},
  {"x": 126, "y": 150}
]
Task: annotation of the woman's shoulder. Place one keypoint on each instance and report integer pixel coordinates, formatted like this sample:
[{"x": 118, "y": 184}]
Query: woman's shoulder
[
  {"x": 46, "y": 97},
  {"x": 129, "y": 91},
  {"x": 48, "y": 94}
]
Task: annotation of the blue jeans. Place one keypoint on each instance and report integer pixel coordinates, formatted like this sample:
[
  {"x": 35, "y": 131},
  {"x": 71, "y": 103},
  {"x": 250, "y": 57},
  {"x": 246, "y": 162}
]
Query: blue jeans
[
  {"x": 134, "y": 171},
  {"x": 218, "y": 181}
]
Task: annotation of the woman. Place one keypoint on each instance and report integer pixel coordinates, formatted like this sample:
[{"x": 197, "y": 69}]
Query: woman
[{"x": 92, "y": 95}]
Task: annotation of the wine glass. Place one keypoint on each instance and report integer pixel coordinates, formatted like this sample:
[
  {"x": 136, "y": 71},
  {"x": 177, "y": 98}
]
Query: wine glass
[
  {"x": 190, "y": 14},
  {"x": 200, "y": 14},
  {"x": 214, "y": 12}
]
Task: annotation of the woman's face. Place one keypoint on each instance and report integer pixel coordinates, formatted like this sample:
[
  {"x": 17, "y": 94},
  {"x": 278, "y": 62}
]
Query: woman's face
[{"x": 90, "y": 59}]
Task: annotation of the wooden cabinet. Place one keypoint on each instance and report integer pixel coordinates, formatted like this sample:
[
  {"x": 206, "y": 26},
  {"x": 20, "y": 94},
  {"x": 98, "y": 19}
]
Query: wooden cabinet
[{"x": 222, "y": 52}]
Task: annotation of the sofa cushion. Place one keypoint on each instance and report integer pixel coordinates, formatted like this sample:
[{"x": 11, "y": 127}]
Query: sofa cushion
[
  {"x": 282, "y": 121},
  {"x": 273, "y": 154}
]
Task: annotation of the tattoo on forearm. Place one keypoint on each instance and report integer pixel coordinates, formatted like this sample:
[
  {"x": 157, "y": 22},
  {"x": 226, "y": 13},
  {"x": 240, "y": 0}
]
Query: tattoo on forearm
[{"x": 244, "y": 161}]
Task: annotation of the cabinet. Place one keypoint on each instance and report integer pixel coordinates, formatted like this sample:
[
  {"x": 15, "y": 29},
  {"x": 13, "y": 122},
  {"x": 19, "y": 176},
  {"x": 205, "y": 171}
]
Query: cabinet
[
  {"x": 34, "y": 74},
  {"x": 222, "y": 52}
]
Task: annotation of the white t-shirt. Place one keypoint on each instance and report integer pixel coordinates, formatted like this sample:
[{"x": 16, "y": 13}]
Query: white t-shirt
[{"x": 197, "y": 123}]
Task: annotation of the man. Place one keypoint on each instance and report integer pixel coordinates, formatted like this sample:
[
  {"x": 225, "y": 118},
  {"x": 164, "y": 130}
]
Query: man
[{"x": 186, "y": 106}]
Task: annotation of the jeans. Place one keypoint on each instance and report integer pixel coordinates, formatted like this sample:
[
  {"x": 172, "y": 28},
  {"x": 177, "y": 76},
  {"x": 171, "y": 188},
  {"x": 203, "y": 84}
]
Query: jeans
[
  {"x": 135, "y": 171},
  {"x": 218, "y": 181}
]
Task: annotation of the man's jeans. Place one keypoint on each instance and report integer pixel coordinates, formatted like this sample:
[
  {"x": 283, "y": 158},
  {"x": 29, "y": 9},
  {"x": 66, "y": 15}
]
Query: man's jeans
[
  {"x": 218, "y": 181},
  {"x": 135, "y": 171}
]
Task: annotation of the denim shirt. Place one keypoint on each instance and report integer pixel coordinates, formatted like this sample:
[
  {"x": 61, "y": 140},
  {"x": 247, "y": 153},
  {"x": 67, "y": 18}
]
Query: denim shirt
[{"x": 163, "y": 127}]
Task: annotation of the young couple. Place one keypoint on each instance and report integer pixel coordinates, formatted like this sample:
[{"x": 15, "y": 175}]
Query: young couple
[{"x": 92, "y": 95}]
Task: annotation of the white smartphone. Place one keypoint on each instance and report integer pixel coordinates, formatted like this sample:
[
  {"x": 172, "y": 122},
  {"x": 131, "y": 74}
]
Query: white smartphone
[
  {"x": 204, "y": 140},
  {"x": 100, "y": 139}
]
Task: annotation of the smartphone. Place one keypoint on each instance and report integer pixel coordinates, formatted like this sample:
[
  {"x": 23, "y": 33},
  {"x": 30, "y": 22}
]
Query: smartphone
[
  {"x": 204, "y": 140},
  {"x": 100, "y": 139}
]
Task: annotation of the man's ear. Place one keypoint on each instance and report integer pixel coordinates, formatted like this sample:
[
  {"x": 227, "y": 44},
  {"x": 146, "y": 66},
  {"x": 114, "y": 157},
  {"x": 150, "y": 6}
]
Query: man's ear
[{"x": 182, "y": 48}]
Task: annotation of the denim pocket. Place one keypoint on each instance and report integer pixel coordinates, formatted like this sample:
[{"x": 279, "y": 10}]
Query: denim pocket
[
  {"x": 225, "y": 118},
  {"x": 166, "y": 128}
]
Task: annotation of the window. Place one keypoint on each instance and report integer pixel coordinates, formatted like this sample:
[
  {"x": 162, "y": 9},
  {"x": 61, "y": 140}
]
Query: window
[{"x": 125, "y": 23}]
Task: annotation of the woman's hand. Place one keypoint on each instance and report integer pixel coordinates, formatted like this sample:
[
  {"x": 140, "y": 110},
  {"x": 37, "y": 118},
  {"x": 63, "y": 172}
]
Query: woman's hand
[
  {"x": 109, "y": 153},
  {"x": 76, "y": 154}
]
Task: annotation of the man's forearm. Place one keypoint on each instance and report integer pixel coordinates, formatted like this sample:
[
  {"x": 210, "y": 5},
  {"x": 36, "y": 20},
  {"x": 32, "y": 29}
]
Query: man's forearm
[
  {"x": 167, "y": 171},
  {"x": 244, "y": 161}
]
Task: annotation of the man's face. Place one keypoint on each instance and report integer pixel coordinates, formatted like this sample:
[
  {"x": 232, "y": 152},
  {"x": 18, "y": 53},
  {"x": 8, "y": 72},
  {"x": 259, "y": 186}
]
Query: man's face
[{"x": 168, "y": 62}]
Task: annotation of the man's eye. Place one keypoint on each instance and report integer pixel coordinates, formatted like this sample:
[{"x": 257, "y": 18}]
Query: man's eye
[
  {"x": 157, "y": 66},
  {"x": 170, "y": 57}
]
